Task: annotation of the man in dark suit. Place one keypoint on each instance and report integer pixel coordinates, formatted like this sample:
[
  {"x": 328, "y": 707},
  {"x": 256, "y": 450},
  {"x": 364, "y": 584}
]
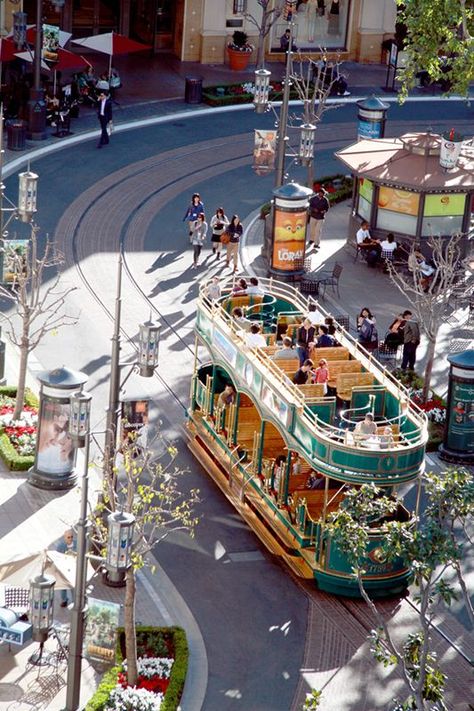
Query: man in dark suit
[{"x": 104, "y": 114}]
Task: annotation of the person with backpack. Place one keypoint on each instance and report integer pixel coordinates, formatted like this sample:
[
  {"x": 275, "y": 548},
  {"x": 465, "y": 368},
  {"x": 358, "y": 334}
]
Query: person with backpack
[{"x": 368, "y": 336}]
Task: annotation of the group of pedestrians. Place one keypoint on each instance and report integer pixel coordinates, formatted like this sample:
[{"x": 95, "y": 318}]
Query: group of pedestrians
[
  {"x": 403, "y": 331},
  {"x": 224, "y": 231}
]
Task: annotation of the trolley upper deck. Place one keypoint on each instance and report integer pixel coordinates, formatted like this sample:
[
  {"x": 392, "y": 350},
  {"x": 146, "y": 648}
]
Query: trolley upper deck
[{"x": 320, "y": 428}]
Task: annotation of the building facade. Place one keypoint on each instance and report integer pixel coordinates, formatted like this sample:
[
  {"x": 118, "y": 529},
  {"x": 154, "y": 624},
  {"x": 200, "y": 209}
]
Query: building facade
[{"x": 199, "y": 30}]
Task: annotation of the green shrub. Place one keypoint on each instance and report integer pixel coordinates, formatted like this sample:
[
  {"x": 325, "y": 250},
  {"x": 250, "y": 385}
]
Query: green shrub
[
  {"x": 145, "y": 635},
  {"x": 14, "y": 461}
]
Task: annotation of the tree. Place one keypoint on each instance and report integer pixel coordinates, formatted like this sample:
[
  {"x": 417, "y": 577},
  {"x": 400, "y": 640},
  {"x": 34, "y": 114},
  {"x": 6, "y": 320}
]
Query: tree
[
  {"x": 39, "y": 308},
  {"x": 314, "y": 83},
  {"x": 430, "y": 303},
  {"x": 432, "y": 546},
  {"x": 148, "y": 489},
  {"x": 268, "y": 18},
  {"x": 437, "y": 29}
]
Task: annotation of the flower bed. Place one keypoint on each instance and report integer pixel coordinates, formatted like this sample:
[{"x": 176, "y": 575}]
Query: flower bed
[
  {"x": 18, "y": 438},
  {"x": 434, "y": 407},
  {"x": 162, "y": 666},
  {"x": 225, "y": 95}
]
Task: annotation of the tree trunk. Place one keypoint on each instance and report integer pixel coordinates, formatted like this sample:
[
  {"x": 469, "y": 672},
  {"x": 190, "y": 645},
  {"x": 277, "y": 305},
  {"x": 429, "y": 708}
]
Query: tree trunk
[
  {"x": 130, "y": 634},
  {"x": 429, "y": 366},
  {"x": 20, "y": 390}
]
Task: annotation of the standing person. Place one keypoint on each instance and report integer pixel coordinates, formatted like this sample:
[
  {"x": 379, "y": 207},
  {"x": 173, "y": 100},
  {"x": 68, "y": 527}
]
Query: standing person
[
  {"x": 218, "y": 225},
  {"x": 394, "y": 335},
  {"x": 104, "y": 115},
  {"x": 318, "y": 207},
  {"x": 411, "y": 341},
  {"x": 68, "y": 545},
  {"x": 305, "y": 339},
  {"x": 234, "y": 232},
  {"x": 213, "y": 290},
  {"x": 193, "y": 212},
  {"x": 199, "y": 232}
]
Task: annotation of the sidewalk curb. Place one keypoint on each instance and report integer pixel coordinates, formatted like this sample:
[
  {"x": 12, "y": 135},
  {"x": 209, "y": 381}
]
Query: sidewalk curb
[{"x": 160, "y": 587}]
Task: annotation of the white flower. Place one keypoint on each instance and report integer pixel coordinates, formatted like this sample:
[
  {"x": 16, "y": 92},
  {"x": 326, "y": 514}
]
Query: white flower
[
  {"x": 132, "y": 699},
  {"x": 150, "y": 667}
]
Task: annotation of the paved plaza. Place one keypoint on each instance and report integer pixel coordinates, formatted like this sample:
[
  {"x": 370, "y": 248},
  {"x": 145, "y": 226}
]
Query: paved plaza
[{"x": 259, "y": 639}]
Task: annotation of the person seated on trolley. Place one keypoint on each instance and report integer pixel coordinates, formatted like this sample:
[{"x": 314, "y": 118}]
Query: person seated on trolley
[
  {"x": 302, "y": 374},
  {"x": 386, "y": 438},
  {"x": 227, "y": 396},
  {"x": 366, "y": 428}
]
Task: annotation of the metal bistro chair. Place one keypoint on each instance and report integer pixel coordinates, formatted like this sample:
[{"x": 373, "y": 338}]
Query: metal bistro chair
[
  {"x": 330, "y": 279},
  {"x": 387, "y": 355}
]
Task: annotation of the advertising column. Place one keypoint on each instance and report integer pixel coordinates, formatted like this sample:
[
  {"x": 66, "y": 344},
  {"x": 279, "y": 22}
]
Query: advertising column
[
  {"x": 458, "y": 444},
  {"x": 290, "y": 216},
  {"x": 371, "y": 115}
]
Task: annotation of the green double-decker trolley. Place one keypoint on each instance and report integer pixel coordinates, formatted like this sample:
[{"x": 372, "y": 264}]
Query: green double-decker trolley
[{"x": 285, "y": 454}]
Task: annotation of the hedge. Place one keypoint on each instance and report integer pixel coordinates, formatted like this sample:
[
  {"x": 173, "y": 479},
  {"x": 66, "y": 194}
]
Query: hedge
[
  {"x": 14, "y": 461},
  {"x": 177, "y": 677},
  {"x": 340, "y": 195}
]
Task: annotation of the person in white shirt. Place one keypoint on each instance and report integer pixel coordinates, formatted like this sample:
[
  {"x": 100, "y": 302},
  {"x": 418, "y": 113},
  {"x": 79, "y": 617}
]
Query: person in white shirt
[
  {"x": 363, "y": 234},
  {"x": 389, "y": 244},
  {"x": 213, "y": 289},
  {"x": 254, "y": 338},
  {"x": 314, "y": 314},
  {"x": 254, "y": 288}
]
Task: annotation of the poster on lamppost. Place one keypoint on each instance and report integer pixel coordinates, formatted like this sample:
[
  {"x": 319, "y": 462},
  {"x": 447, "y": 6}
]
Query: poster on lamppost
[
  {"x": 55, "y": 451},
  {"x": 100, "y": 635},
  {"x": 264, "y": 152},
  {"x": 135, "y": 422},
  {"x": 50, "y": 42},
  {"x": 13, "y": 259}
]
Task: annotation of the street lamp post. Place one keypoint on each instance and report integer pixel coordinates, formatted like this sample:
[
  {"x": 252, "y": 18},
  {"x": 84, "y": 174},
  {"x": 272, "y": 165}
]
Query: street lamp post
[
  {"x": 80, "y": 434},
  {"x": 282, "y": 138},
  {"x": 36, "y": 104},
  {"x": 149, "y": 336}
]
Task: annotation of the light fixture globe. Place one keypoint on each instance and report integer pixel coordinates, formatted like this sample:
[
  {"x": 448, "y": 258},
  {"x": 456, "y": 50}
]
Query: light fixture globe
[
  {"x": 41, "y": 606},
  {"x": 149, "y": 341},
  {"x": 79, "y": 422},
  {"x": 27, "y": 194},
  {"x": 261, "y": 90},
  {"x": 306, "y": 149},
  {"x": 119, "y": 544}
]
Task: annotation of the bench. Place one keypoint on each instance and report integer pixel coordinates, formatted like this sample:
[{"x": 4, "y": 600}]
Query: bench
[
  {"x": 346, "y": 381},
  {"x": 315, "y": 501},
  {"x": 333, "y": 353},
  {"x": 342, "y": 366},
  {"x": 288, "y": 366},
  {"x": 243, "y": 302},
  {"x": 312, "y": 391}
]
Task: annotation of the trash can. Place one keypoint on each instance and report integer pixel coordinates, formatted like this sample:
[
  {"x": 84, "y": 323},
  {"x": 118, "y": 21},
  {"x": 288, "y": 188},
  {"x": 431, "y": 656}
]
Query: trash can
[
  {"x": 16, "y": 135},
  {"x": 193, "y": 90}
]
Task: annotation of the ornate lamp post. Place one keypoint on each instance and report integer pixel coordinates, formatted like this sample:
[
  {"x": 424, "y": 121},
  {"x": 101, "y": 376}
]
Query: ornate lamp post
[
  {"x": 36, "y": 104},
  {"x": 306, "y": 149},
  {"x": 79, "y": 430},
  {"x": 148, "y": 360}
]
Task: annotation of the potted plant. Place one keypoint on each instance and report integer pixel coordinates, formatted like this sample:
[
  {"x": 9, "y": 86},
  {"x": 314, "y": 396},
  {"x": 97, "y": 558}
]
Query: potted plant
[{"x": 239, "y": 51}]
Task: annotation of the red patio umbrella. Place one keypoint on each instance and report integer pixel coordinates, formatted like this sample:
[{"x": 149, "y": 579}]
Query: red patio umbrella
[{"x": 111, "y": 43}]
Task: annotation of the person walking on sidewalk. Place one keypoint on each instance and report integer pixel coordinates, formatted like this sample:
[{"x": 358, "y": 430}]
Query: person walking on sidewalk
[
  {"x": 411, "y": 341},
  {"x": 193, "y": 212},
  {"x": 318, "y": 207},
  {"x": 198, "y": 237},
  {"x": 234, "y": 232},
  {"x": 218, "y": 225},
  {"x": 104, "y": 114}
]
